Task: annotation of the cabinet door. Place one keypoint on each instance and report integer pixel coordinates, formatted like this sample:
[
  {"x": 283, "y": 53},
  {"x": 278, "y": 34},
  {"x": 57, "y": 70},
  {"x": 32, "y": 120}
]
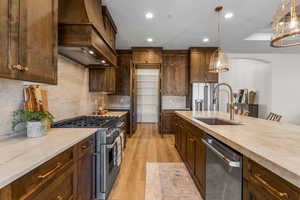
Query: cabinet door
[
  {"x": 37, "y": 44},
  {"x": 97, "y": 80},
  {"x": 190, "y": 151},
  {"x": 183, "y": 141},
  {"x": 250, "y": 192},
  {"x": 5, "y": 72},
  {"x": 145, "y": 55},
  {"x": 177, "y": 134},
  {"x": 167, "y": 122},
  {"x": 61, "y": 188},
  {"x": 175, "y": 74},
  {"x": 85, "y": 177},
  {"x": 200, "y": 59},
  {"x": 200, "y": 164},
  {"x": 86, "y": 170},
  {"x": 110, "y": 77},
  {"x": 123, "y": 74}
]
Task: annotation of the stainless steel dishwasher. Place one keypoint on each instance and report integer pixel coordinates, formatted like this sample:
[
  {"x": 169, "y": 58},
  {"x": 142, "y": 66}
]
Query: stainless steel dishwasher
[{"x": 223, "y": 171}]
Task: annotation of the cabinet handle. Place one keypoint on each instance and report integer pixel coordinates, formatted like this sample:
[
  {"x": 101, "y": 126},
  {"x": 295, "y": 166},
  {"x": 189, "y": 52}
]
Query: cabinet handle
[
  {"x": 192, "y": 140},
  {"x": 58, "y": 166},
  {"x": 84, "y": 147},
  {"x": 20, "y": 68},
  {"x": 281, "y": 195},
  {"x": 59, "y": 197}
]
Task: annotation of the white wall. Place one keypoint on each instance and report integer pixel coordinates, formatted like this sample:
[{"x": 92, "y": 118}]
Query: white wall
[{"x": 275, "y": 77}]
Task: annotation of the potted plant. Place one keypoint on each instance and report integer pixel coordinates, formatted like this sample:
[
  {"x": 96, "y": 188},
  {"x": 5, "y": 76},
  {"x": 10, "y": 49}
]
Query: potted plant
[{"x": 35, "y": 121}]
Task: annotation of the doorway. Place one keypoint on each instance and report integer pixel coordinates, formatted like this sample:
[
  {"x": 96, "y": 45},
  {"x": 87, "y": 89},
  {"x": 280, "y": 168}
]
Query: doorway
[{"x": 148, "y": 95}]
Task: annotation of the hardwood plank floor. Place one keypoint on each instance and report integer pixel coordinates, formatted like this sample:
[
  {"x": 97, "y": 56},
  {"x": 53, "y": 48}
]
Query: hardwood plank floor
[{"x": 145, "y": 146}]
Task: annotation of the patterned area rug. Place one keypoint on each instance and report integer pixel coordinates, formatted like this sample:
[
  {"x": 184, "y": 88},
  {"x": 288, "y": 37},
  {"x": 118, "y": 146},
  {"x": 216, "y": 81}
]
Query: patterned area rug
[{"x": 169, "y": 181}]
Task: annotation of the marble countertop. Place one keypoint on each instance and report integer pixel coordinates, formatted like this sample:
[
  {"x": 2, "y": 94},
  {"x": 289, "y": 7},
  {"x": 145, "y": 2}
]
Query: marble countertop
[
  {"x": 276, "y": 146},
  {"x": 20, "y": 155}
]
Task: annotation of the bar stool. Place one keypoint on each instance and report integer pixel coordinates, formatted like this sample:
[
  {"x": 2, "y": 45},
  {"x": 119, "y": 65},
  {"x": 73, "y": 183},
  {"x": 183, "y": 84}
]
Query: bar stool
[{"x": 274, "y": 117}]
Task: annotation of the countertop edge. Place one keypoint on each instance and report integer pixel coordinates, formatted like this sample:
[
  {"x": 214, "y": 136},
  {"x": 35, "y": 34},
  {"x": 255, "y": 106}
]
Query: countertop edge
[
  {"x": 38, "y": 163},
  {"x": 268, "y": 164}
]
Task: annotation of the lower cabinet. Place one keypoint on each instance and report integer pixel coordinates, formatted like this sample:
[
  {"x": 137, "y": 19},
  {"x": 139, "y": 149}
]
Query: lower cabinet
[
  {"x": 69, "y": 175},
  {"x": 86, "y": 163},
  {"x": 167, "y": 117},
  {"x": 262, "y": 184},
  {"x": 192, "y": 150}
]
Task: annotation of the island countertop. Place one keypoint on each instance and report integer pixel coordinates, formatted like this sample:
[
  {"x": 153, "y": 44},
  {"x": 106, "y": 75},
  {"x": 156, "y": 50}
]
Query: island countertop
[
  {"x": 276, "y": 146},
  {"x": 20, "y": 155}
]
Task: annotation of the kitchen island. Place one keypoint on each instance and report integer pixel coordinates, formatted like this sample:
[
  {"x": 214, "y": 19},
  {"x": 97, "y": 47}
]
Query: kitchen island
[{"x": 273, "y": 146}]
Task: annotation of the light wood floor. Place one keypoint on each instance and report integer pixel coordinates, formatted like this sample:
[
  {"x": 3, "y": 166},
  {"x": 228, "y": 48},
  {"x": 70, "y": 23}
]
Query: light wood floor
[{"x": 145, "y": 146}]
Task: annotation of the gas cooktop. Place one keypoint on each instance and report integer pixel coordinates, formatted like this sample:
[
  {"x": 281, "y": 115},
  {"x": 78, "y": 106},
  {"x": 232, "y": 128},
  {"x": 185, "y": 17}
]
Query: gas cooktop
[{"x": 86, "y": 122}]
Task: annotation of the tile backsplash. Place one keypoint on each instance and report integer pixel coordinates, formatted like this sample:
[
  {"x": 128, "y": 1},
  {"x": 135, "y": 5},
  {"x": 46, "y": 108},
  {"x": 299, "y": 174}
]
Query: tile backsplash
[
  {"x": 174, "y": 102},
  {"x": 70, "y": 97},
  {"x": 118, "y": 102}
]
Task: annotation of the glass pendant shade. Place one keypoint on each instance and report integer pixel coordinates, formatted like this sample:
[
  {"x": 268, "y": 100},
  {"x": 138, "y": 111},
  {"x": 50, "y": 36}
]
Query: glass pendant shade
[
  {"x": 218, "y": 62},
  {"x": 286, "y": 25}
]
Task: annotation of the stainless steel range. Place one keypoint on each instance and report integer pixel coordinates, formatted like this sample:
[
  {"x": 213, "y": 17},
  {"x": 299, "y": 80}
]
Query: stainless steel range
[{"x": 107, "y": 148}]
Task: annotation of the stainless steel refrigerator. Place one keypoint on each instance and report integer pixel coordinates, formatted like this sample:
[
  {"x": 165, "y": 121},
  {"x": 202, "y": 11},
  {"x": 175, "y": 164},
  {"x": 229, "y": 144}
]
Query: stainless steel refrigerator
[{"x": 203, "y": 95}]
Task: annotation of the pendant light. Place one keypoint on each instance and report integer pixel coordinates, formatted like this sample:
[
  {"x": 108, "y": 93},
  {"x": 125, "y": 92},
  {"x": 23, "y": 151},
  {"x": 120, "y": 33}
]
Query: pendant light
[
  {"x": 219, "y": 60},
  {"x": 286, "y": 25}
]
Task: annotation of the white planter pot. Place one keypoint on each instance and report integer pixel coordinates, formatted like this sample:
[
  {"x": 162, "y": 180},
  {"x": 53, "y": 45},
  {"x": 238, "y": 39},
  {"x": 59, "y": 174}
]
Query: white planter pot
[{"x": 35, "y": 129}]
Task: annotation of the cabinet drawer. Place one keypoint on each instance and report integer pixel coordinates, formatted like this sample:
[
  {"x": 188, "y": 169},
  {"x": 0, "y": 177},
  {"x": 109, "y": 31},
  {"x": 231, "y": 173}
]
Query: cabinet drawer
[
  {"x": 61, "y": 188},
  {"x": 32, "y": 182},
  {"x": 85, "y": 146},
  {"x": 269, "y": 182}
]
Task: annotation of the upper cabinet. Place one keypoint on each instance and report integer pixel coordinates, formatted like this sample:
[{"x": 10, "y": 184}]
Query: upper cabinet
[
  {"x": 200, "y": 58},
  {"x": 175, "y": 72},
  {"x": 28, "y": 50},
  {"x": 147, "y": 55},
  {"x": 102, "y": 80},
  {"x": 123, "y": 72}
]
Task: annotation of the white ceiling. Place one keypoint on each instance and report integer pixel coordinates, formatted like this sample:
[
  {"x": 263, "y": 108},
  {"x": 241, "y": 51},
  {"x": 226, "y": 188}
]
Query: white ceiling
[{"x": 180, "y": 24}]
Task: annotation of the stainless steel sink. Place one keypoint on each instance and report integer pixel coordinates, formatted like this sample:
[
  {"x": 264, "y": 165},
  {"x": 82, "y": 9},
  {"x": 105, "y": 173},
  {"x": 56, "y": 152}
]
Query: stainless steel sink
[{"x": 216, "y": 121}]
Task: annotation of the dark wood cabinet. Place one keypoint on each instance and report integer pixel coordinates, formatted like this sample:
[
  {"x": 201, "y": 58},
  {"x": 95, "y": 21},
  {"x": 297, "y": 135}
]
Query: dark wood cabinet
[
  {"x": 200, "y": 164},
  {"x": 123, "y": 72},
  {"x": 147, "y": 55},
  {"x": 200, "y": 59},
  {"x": 167, "y": 121},
  {"x": 192, "y": 150},
  {"x": 29, "y": 48},
  {"x": 86, "y": 170},
  {"x": 102, "y": 80},
  {"x": 260, "y": 183},
  {"x": 69, "y": 175},
  {"x": 175, "y": 73}
]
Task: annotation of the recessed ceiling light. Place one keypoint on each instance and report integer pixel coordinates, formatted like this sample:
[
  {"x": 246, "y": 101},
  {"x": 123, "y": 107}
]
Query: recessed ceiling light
[
  {"x": 149, "y": 15},
  {"x": 103, "y": 61},
  {"x": 91, "y": 52},
  {"x": 228, "y": 15},
  {"x": 149, "y": 40},
  {"x": 205, "y": 39}
]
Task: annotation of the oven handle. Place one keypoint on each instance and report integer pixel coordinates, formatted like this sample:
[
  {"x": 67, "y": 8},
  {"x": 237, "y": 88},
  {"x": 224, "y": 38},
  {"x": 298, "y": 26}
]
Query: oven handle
[
  {"x": 110, "y": 146},
  {"x": 222, "y": 156}
]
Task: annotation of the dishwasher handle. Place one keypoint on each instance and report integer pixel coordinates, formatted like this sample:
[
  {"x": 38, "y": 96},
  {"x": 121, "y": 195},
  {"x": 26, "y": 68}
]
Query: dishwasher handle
[{"x": 231, "y": 163}]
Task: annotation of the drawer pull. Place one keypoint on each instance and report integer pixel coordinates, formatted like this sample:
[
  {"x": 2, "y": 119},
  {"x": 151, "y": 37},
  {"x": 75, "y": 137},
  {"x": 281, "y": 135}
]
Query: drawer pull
[
  {"x": 20, "y": 68},
  {"x": 281, "y": 195},
  {"x": 83, "y": 147},
  {"x": 58, "y": 166},
  {"x": 59, "y": 197}
]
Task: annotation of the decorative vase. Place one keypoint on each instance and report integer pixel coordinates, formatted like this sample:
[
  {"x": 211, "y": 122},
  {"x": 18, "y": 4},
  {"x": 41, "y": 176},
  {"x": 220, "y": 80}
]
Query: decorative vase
[{"x": 35, "y": 129}]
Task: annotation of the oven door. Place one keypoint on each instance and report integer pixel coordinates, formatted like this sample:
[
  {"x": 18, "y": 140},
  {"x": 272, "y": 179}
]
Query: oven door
[{"x": 107, "y": 169}]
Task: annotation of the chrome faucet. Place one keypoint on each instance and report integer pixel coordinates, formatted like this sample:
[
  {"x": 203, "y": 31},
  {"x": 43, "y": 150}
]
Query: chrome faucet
[{"x": 230, "y": 98}]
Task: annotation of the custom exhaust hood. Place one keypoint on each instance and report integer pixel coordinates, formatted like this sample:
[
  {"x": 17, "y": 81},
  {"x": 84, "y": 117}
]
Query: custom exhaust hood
[{"x": 87, "y": 33}]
